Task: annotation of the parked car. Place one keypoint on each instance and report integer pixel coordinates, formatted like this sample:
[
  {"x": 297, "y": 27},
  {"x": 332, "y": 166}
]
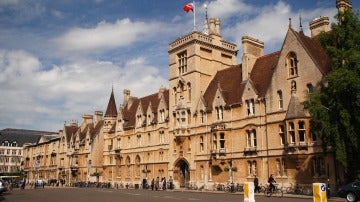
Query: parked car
[
  {"x": 3, "y": 186},
  {"x": 350, "y": 191}
]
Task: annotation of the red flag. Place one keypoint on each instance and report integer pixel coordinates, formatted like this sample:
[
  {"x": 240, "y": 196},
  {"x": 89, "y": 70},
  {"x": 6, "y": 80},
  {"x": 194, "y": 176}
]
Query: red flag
[{"x": 189, "y": 7}]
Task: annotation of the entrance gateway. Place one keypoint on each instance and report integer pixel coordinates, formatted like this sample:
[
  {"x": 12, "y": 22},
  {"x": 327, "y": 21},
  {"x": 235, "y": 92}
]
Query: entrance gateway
[{"x": 181, "y": 172}]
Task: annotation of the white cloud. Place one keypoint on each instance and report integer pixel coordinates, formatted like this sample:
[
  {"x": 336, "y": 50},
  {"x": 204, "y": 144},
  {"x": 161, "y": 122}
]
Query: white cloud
[
  {"x": 106, "y": 36},
  {"x": 226, "y": 8},
  {"x": 36, "y": 98}
]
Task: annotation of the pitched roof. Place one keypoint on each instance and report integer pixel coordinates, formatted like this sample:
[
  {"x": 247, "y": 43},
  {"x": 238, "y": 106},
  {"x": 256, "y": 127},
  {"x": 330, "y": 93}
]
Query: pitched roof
[
  {"x": 316, "y": 51},
  {"x": 111, "y": 110},
  {"x": 129, "y": 114},
  {"x": 295, "y": 109},
  {"x": 262, "y": 72},
  {"x": 230, "y": 82}
]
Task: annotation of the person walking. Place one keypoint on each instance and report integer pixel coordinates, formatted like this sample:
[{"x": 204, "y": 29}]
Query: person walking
[
  {"x": 256, "y": 185},
  {"x": 152, "y": 184},
  {"x": 157, "y": 181}
]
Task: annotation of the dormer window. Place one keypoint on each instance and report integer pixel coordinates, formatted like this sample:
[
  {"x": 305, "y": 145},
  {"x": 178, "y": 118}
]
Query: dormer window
[
  {"x": 139, "y": 120},
  {"x": 182, "y": 61},
  {"x": 250, "y": 104},
  {"x": 292, "y": 64},
  {"x": 219, "y": 113}
]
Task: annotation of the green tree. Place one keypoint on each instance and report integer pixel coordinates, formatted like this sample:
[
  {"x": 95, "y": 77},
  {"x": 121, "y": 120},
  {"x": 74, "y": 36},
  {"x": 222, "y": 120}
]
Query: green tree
[{"x": 336, "y": 107}]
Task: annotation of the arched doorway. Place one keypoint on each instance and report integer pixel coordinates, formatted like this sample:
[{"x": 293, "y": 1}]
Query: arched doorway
[{"x": 182, "y": 172}]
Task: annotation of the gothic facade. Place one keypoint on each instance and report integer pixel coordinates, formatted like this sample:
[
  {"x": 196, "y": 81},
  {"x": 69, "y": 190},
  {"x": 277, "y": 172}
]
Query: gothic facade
[{"x": 218, "y": 121}]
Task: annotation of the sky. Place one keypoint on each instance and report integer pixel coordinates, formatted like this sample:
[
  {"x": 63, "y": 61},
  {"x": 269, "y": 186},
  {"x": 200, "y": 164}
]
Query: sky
[{"x": 62, "y": 59}]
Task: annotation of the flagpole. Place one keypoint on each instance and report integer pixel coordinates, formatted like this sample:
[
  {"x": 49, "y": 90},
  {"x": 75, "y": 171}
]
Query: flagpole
[{"x": 194, "y": 15}]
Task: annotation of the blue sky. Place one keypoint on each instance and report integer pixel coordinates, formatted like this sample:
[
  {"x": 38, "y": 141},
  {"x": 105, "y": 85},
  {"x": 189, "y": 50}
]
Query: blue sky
[{"x": 60, "y": 59}]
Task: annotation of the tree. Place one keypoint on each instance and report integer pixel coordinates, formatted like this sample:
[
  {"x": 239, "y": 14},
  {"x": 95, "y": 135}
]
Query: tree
[{"x": 335, "y": 108}]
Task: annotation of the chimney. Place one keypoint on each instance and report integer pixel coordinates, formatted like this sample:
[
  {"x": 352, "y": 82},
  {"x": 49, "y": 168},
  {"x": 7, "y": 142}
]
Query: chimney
[
  {"x": 217, "y": 27},
  {"x": 319, "y": 25},
  {"x": 212, "y": 26},
  {"x": 161, "y": 91},
  {"x": 342, "y": 5},
  {"x": 86, "y": 119},
  {"x": 98, "y": 116},
  {"x": 126, "y": 94},
  {"x": 252, "y": 50}
]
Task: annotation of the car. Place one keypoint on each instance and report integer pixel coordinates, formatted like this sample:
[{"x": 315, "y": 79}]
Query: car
[
  {"x": 350, "y": 191},
  {"x": 3, "y": 186}
]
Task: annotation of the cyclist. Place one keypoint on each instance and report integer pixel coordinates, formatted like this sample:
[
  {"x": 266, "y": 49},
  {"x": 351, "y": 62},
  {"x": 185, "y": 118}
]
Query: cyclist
[{"x": 271, "y": 181}]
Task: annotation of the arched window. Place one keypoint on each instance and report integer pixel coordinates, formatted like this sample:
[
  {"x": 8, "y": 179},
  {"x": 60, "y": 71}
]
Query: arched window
[{"x": 292, "y": 64}]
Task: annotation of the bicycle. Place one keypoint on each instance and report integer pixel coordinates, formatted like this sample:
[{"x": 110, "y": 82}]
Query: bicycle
[{"x": 276, "y": 192}]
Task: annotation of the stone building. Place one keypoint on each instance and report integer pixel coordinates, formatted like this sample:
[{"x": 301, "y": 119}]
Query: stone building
[{"x": 219, "y": 121}]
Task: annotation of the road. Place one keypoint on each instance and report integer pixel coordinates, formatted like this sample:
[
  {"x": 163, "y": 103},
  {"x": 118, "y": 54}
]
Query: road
[{"x": 133, "y": 195}]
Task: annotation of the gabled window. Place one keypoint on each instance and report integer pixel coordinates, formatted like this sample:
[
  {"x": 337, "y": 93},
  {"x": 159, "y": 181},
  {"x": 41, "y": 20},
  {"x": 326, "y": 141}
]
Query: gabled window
[
  {"x": 250, "y": 104},
  {"x": 202, "y": 116},
  {"x": 310, "y": 89},
  {"x": 292, "y": 64},
  {"x": 162, "y": 115},
  {"x": 219, "y": 113},
  {"x": 182, "y": 62},
  {"x": 139, "y": 120},
  {"x": 162, "y": 137}
]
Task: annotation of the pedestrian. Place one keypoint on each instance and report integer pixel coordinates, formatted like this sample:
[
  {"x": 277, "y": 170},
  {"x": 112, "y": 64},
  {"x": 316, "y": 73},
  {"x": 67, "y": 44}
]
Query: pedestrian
[
  {"x": 170, "y": 183},
  {"x": 256, "y": 185},
  {"x": 157, "y": 181},
  {"x": 164, "y": 183},
  {"x": 152, "y": 184}
]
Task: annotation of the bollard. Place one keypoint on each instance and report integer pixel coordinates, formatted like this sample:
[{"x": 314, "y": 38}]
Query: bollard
[
  {"x": 249, "y": 192},
  {"x": 319, "y": 192}
]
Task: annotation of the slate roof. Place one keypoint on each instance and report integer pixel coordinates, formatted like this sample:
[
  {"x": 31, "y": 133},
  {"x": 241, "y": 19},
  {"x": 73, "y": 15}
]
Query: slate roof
[
  {"x": 22, "y": 136},
  {"x": 230, "y": 82},
  {"x": 111, "y": 110},
  {"x": 262, "y": 72},
  {"x": 129, "y": 113},
  {"x": 315, "y": 50}
]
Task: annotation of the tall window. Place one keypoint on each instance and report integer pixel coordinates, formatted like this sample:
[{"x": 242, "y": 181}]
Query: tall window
[
  {"x": 281, "y": 167},
  {"x": 252, "y": 168},
  {"x": 182, "y": 60},
  {"x": 251, "y": 138},
  {"x": 138, "y": 139},
  {"x": 222, "y": 141},
  {"x": 292, "y": 64},
  {"x": 282, "y": 134},
  {"x": 219, "y": 113},
  {"x": 281, "y": 101},
  {"x": 302, "y": 132},
  {"x": 162, "y": 137},
  {"x": 162, "y": 115},
  {"x": 139, "y": 120},
  {"x": 310, "y": 89},
  {"x": 292, "y": 132},
  {"x": 202, "y": 116},
  {"x": 214, "y": 141},
  {"x": 250, "y": 107},
  {"x": 201, "y": 143},
  {"x": 318, "y": 167},
  {"x": 189, "y": 91}
]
